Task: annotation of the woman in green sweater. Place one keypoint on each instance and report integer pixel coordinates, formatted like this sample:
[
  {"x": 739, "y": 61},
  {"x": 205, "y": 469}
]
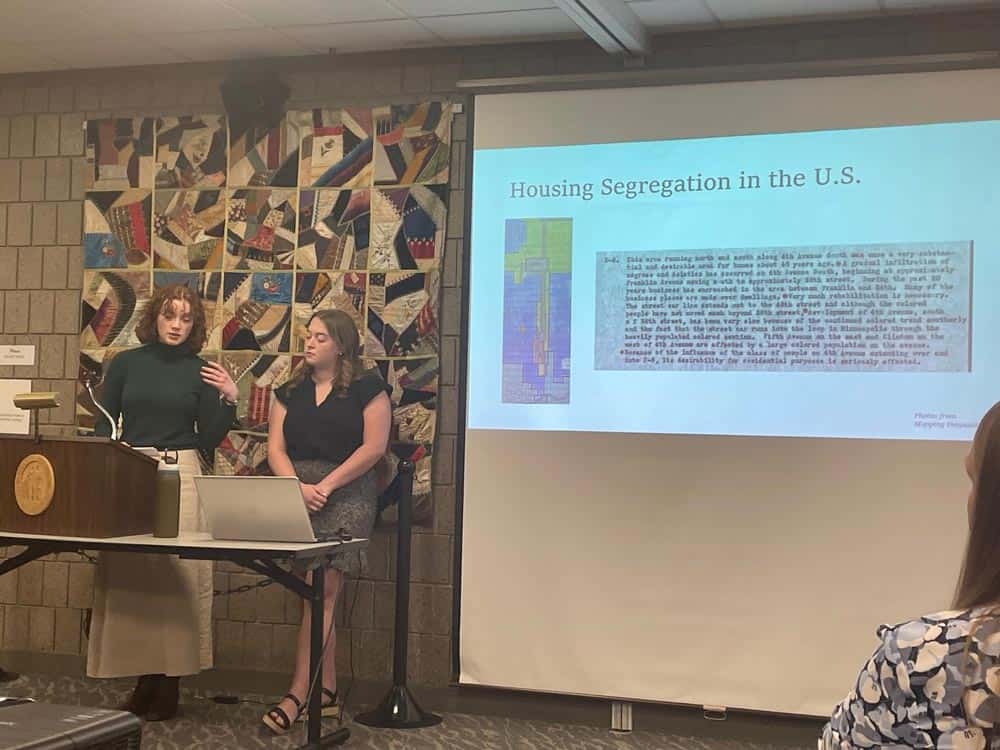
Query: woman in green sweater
[{"x": 152, "y": 615}]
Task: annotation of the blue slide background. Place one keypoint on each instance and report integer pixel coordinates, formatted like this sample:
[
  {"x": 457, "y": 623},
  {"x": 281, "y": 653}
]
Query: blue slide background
[{"x": 917, "y": 184}]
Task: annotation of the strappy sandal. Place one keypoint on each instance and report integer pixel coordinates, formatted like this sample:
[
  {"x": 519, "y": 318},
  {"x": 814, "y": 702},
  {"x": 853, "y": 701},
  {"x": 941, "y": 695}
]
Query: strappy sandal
[
  {"x": 277, "y": 720},
  {"x": 329, "y": 707}
]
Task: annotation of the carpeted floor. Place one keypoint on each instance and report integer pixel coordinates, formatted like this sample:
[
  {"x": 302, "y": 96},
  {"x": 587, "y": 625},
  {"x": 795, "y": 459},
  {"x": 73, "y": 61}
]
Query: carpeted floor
[{"x": 203, "y": 723}]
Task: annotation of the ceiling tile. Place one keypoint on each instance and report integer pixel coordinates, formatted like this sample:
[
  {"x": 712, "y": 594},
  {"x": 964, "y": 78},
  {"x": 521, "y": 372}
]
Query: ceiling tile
[
  {"x": 741, "y": 11},
  {"x": 357, "y": 37},
  {"x": 170, "y": 16},
  {"x": 233, "y": 44},
  {"x": 106, "y": 52},
  {"x": 47, "y": 34},
  {"x": 305, "y": 12},
  {"x": 34, "y": 65},
  {"x": 36, "y": 20},
  {"x": 931, "y": 5},
  {"x": 513, "y": 25},
  {"x": 22, "y": 59},
  {"x": 659, "y": 15},
  {"x": 421, "y": 8}
]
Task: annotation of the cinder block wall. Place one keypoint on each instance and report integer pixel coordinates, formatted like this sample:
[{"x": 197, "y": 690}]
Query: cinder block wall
[{"x": 41, "y": 190}]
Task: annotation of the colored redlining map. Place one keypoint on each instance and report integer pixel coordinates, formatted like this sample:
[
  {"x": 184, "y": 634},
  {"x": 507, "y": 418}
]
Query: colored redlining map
[{"x": 536, "y": 304}]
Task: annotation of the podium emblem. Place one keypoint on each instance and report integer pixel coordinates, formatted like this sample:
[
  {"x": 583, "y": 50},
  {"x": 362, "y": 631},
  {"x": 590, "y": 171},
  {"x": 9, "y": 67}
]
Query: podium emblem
[{"x": 34, "y": 484}]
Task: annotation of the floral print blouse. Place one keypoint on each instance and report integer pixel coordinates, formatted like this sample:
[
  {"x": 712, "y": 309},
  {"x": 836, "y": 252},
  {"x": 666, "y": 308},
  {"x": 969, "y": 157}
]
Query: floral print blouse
[{"x": 914, "y": 693}]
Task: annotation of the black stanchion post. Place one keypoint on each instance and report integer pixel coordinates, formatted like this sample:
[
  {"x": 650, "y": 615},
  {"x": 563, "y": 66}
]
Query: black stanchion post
[{"x": 398, "y": 709}]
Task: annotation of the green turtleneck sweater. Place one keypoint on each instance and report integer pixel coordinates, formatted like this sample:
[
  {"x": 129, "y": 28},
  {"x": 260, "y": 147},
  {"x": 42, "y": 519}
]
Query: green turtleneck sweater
[{"x": 158, "y": 391}]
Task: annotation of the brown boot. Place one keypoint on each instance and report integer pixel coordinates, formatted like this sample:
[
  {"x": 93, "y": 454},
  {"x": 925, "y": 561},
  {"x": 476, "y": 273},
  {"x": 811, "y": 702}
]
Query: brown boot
[
  {"x": 164, "y": 703},
  {"x": 142, "y": 695}
]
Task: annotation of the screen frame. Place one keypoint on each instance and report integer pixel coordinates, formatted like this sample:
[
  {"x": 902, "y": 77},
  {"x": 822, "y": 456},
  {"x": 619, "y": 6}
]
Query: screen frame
[{"x": 848, "y": 69}]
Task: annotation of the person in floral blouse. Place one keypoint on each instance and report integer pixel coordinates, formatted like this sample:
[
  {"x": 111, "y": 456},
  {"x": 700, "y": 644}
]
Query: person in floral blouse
[{"x": 934, "y": 682}]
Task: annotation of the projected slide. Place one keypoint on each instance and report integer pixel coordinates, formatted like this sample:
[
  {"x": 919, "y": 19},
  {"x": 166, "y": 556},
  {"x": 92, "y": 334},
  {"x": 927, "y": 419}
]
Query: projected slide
[{"x": 827, "y": 284}]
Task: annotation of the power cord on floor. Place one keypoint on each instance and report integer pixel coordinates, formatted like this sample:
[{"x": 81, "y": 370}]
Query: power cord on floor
[
  {"x": 322, "y": 656},
  {"x": 227, "y": 699},
  {"x": 232, "y": 700},
  {"x": 348, "y": 618},
  {"x": 350, "y": 659}
]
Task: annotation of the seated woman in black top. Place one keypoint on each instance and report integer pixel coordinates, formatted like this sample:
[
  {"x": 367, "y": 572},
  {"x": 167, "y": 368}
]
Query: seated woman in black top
[{"x": 329, "y": 426}]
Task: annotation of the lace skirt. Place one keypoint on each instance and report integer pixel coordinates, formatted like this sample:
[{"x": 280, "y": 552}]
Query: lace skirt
[{"x": 351, "y": 508}]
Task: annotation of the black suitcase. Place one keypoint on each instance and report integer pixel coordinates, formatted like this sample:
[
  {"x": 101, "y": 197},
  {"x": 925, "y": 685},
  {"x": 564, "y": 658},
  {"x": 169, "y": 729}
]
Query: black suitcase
[{"x": 42, "y": 726}]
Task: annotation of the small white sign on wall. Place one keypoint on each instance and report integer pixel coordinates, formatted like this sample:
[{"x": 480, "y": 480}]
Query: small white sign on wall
[
  {"x": 13, "y": 421},
  {"x": 17, "y": 354}
]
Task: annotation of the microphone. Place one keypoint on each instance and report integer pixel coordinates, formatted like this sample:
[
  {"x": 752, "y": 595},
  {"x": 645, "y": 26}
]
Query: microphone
[{"x": 88, "y": 383}]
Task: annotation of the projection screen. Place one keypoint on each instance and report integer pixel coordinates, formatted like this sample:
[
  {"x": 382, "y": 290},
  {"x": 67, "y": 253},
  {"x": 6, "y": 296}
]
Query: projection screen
[{"x": 727, "y": 344}]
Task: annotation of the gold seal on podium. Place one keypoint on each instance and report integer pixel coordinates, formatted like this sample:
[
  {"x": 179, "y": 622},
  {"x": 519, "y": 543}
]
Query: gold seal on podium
[{"x": 34, "y": 484}]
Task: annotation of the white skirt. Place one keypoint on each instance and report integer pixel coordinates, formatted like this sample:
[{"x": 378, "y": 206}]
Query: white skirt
[{"x": 153, "y": 613}]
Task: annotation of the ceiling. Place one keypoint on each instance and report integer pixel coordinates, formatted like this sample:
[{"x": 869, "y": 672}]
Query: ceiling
[{"x": 38, "y": 35}]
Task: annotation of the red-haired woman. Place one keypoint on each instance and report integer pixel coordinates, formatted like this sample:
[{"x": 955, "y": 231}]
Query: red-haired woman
[{"x": 152, "y": 615}]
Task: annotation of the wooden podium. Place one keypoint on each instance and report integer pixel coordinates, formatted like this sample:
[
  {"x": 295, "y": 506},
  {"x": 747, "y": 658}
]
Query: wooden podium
[{"x": 75, "y": 486}]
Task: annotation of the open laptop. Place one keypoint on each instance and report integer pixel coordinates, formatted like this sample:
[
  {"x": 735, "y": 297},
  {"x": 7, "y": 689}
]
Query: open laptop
[{"x": 255, "y": 509}]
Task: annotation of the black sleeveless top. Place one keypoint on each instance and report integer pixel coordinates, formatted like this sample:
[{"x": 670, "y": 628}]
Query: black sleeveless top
[{"x": 333, "y": 430}]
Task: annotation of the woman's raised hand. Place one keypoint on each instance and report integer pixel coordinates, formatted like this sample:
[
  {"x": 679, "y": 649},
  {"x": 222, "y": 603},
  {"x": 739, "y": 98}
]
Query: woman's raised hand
[{"x": 219, "y": 378}]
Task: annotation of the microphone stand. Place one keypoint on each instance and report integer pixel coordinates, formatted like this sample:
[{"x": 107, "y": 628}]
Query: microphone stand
[{"x": 89, "y": 385}]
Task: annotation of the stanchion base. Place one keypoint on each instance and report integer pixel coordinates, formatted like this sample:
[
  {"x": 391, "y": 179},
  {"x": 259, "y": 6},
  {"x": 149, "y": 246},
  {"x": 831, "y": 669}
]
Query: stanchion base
[
  {"x": 398, "y": 710},
  {"x": 339, "y": 737},
  {"x": 6, "y": 676}
]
